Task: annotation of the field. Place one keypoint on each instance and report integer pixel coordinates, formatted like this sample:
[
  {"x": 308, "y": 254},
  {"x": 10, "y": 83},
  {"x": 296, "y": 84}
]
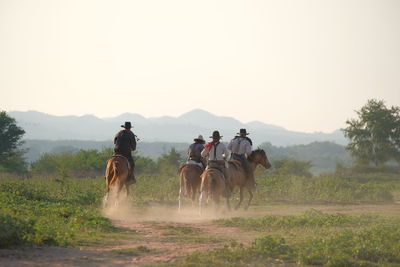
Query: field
[{"x": 326, "y": 220}]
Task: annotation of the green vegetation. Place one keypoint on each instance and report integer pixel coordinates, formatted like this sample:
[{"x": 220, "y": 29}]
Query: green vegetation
[
  {"x": 289, "y": 166},
  {"x": 331, "y": 239},
  {"x": 59, "y": 212},
  {"x": 92, "y": 163},
  {"x": 81, "y": 164},
  {"x": 323, "y": 155},
  {"x": 323, "y": 189},
  {"x": 311, "y": 218},
  {"x": 375, "y": 135},
  {"x": 11, "y": 156}
]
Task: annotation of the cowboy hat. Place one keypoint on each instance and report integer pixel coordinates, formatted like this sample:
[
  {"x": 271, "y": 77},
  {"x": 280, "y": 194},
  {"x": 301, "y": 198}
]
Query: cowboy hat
[
  {"x": 200, "y": 138},
  {"x": 243, "y": 131},
  {"x": 215, "y": 135},
  {"x": 127, "y": 125}
]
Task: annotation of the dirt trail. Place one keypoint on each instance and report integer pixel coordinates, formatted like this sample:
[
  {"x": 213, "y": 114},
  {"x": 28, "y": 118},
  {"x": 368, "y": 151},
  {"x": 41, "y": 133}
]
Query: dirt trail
[{"x": 162, "y": 235}]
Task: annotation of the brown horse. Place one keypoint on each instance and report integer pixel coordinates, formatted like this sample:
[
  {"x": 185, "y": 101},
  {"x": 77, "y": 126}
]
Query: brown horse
[
  {"x": 238, "y": 177},
  {"x": 117, "y": 172},
  {"x": 189, "y": 182},
  {"x": 213, "y": 187}
]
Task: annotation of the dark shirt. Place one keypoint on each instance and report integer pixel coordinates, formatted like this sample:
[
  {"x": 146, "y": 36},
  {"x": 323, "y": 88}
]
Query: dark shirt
[
  {"x": 124, "y": 142},
  {"x": 194, "y": 151}
]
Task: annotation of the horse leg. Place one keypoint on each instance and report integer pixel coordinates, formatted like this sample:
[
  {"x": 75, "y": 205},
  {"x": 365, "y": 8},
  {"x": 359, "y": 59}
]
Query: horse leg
[
  {"x": 119, "y": 188},
  {"x": 240, "y": 199},
  {"x": 203, "y": 195},
  {"x": 193, "y": 194},
  {"x": 180, "y": 198},
  {"x": 228, "y": 205},
  {"x": 250, "y": 198},
  {"x": 105, "y": 199},
  {"x": 127, "y": 190}
]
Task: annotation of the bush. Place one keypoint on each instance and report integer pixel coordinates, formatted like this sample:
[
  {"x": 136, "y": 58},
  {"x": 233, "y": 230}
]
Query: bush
[
  {"x": 288, "y": 166},
  {"x": 326, "y": 188},
  {"x": 50, "y": 211}
]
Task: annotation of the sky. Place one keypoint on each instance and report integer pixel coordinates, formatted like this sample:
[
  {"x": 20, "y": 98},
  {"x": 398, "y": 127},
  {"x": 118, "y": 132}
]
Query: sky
[{"x": 305, "y": 65}]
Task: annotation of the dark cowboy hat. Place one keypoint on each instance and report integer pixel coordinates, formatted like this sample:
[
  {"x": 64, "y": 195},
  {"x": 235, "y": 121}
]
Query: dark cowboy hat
[
  {"x": 215, "y": 135},
  {"x": 200, "y": 139},
  {"x": 243, "y": 131},
  {"x": 127, "y": 125}
]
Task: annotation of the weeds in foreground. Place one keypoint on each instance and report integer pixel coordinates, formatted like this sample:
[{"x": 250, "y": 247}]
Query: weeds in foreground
[
  {"x": 370, "y": 241},
  {"x": 51, "y": 211}
]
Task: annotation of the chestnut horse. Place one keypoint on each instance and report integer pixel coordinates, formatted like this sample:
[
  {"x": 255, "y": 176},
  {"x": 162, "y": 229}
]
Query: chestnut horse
[
  {"x": 117, "y": 172},
  {"x": 189, "y": 182},
  {"x": 238, "y": 177},
  {"x": 212, "y": 187}
]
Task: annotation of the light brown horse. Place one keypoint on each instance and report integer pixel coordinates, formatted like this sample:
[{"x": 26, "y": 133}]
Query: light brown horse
[
  {"x": 117, "y": 172},
  {"x": 213, "y": 187},
  {"x": 189, "y": 182},
  {"x": 238, "y": 177}
]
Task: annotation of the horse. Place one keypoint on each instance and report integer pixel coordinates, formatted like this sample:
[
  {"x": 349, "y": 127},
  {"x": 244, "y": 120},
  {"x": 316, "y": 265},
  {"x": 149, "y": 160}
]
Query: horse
[
  {"x": 213, "y": 186},
  {"x": 189, "y": 182},
  {"x": 117, "y": 175},
  {"x": 238, "y": 177}
]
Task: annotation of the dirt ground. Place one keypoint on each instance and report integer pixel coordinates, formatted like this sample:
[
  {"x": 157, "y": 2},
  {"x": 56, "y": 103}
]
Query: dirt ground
[{"x": 166, "y": 235}]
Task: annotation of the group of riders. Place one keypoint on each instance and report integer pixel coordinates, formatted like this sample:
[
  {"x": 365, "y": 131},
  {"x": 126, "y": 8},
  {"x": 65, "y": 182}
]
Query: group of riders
[{"x": 214, "y": 154}]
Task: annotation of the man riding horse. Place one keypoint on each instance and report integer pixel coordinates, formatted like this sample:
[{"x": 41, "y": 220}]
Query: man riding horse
[
  {"x": 216, "y": 153},
  {"x": 194, "y": 152},
  {"x": 125, "y": 142},
  {"x": 241, "y": 148}
]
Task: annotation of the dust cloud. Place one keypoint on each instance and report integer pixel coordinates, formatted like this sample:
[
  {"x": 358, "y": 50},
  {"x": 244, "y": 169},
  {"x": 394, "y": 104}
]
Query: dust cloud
[{"x": 123, "y": 209}]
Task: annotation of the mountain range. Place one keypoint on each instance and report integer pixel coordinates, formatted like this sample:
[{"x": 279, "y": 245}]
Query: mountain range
[{"x": 41, "y": 126}]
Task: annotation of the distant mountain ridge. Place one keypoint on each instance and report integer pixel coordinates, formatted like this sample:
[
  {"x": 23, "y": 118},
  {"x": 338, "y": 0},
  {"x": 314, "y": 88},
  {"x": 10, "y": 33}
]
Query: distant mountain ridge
[{"x": 184, "y": 128}]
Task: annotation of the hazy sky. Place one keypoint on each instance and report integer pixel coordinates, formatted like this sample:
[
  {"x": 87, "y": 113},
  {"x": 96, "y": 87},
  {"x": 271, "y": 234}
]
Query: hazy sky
[{"x": 303, "y": 65}]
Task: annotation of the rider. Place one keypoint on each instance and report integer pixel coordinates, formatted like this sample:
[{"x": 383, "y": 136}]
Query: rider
[
  {"x": 216, "y": 153},
  {"x": 125, "y": 142},
  {"x": 241, "y": 147},
  {"x": 194, "y": 150}
]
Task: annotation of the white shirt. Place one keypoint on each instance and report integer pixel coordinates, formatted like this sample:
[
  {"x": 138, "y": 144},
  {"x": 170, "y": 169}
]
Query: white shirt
[
  {"x": 220, "y": 153},
  {"x": 240, "y": 145}
]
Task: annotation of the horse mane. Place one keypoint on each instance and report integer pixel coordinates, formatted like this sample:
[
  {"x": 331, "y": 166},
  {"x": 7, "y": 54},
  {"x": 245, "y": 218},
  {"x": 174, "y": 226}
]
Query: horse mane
[{"x": 256, "y": 152}]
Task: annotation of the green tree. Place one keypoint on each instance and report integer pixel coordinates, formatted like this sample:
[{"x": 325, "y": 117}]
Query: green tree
[
  {"x": 11, "y": 156},
  {"x": 289, "y": 166},
  {"x": 375, "y": 135},
  {"x": 169, "y": 163}
]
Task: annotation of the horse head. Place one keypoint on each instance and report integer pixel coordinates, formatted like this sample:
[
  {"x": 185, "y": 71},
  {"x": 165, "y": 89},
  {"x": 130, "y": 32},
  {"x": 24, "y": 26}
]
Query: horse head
[{"x": 259, "y": 156}]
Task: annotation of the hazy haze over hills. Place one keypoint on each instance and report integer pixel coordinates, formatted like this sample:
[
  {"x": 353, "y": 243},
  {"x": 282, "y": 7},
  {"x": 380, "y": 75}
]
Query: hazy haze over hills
[{"x": 164, "y": 129}]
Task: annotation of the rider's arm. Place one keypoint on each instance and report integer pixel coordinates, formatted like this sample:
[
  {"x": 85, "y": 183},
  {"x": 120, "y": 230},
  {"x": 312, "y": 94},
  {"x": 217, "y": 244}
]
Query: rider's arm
[
  {"x": 205, "y": 152},
  {"x": 248, "y": 149},
  {"x": 133, "y": 142}
]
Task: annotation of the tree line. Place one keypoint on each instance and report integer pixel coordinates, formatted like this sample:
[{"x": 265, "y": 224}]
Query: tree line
[{"x": 374, "y": 140}]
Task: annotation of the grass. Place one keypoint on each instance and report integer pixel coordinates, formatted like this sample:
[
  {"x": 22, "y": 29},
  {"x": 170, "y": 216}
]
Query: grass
[
  {"x": 65, "y": 212},
  {"x": 311, "y": 238},
  {"x": 56, "y": 212},
  {"x": 310, "y": 219}
]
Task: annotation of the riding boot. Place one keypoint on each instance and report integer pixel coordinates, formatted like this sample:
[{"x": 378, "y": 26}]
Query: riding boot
[{"x": 131, "y": 179}]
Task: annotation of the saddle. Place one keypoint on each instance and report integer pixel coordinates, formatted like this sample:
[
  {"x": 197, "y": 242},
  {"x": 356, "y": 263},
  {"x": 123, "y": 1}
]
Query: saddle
[
  {"x": 218, "y": 170},
  {"x": 235, "y": 163},
  {"x": 190, "y": 163},
  {"x": 122, "y": 156},
  {"x": 197, "y": 164}
]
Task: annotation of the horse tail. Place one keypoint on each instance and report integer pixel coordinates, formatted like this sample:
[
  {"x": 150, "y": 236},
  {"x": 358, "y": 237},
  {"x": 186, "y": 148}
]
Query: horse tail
[
  {"x": 185, "y": 181},
  {"x": 115, "y": 168},
  {"x": 209, "y": 183}
]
